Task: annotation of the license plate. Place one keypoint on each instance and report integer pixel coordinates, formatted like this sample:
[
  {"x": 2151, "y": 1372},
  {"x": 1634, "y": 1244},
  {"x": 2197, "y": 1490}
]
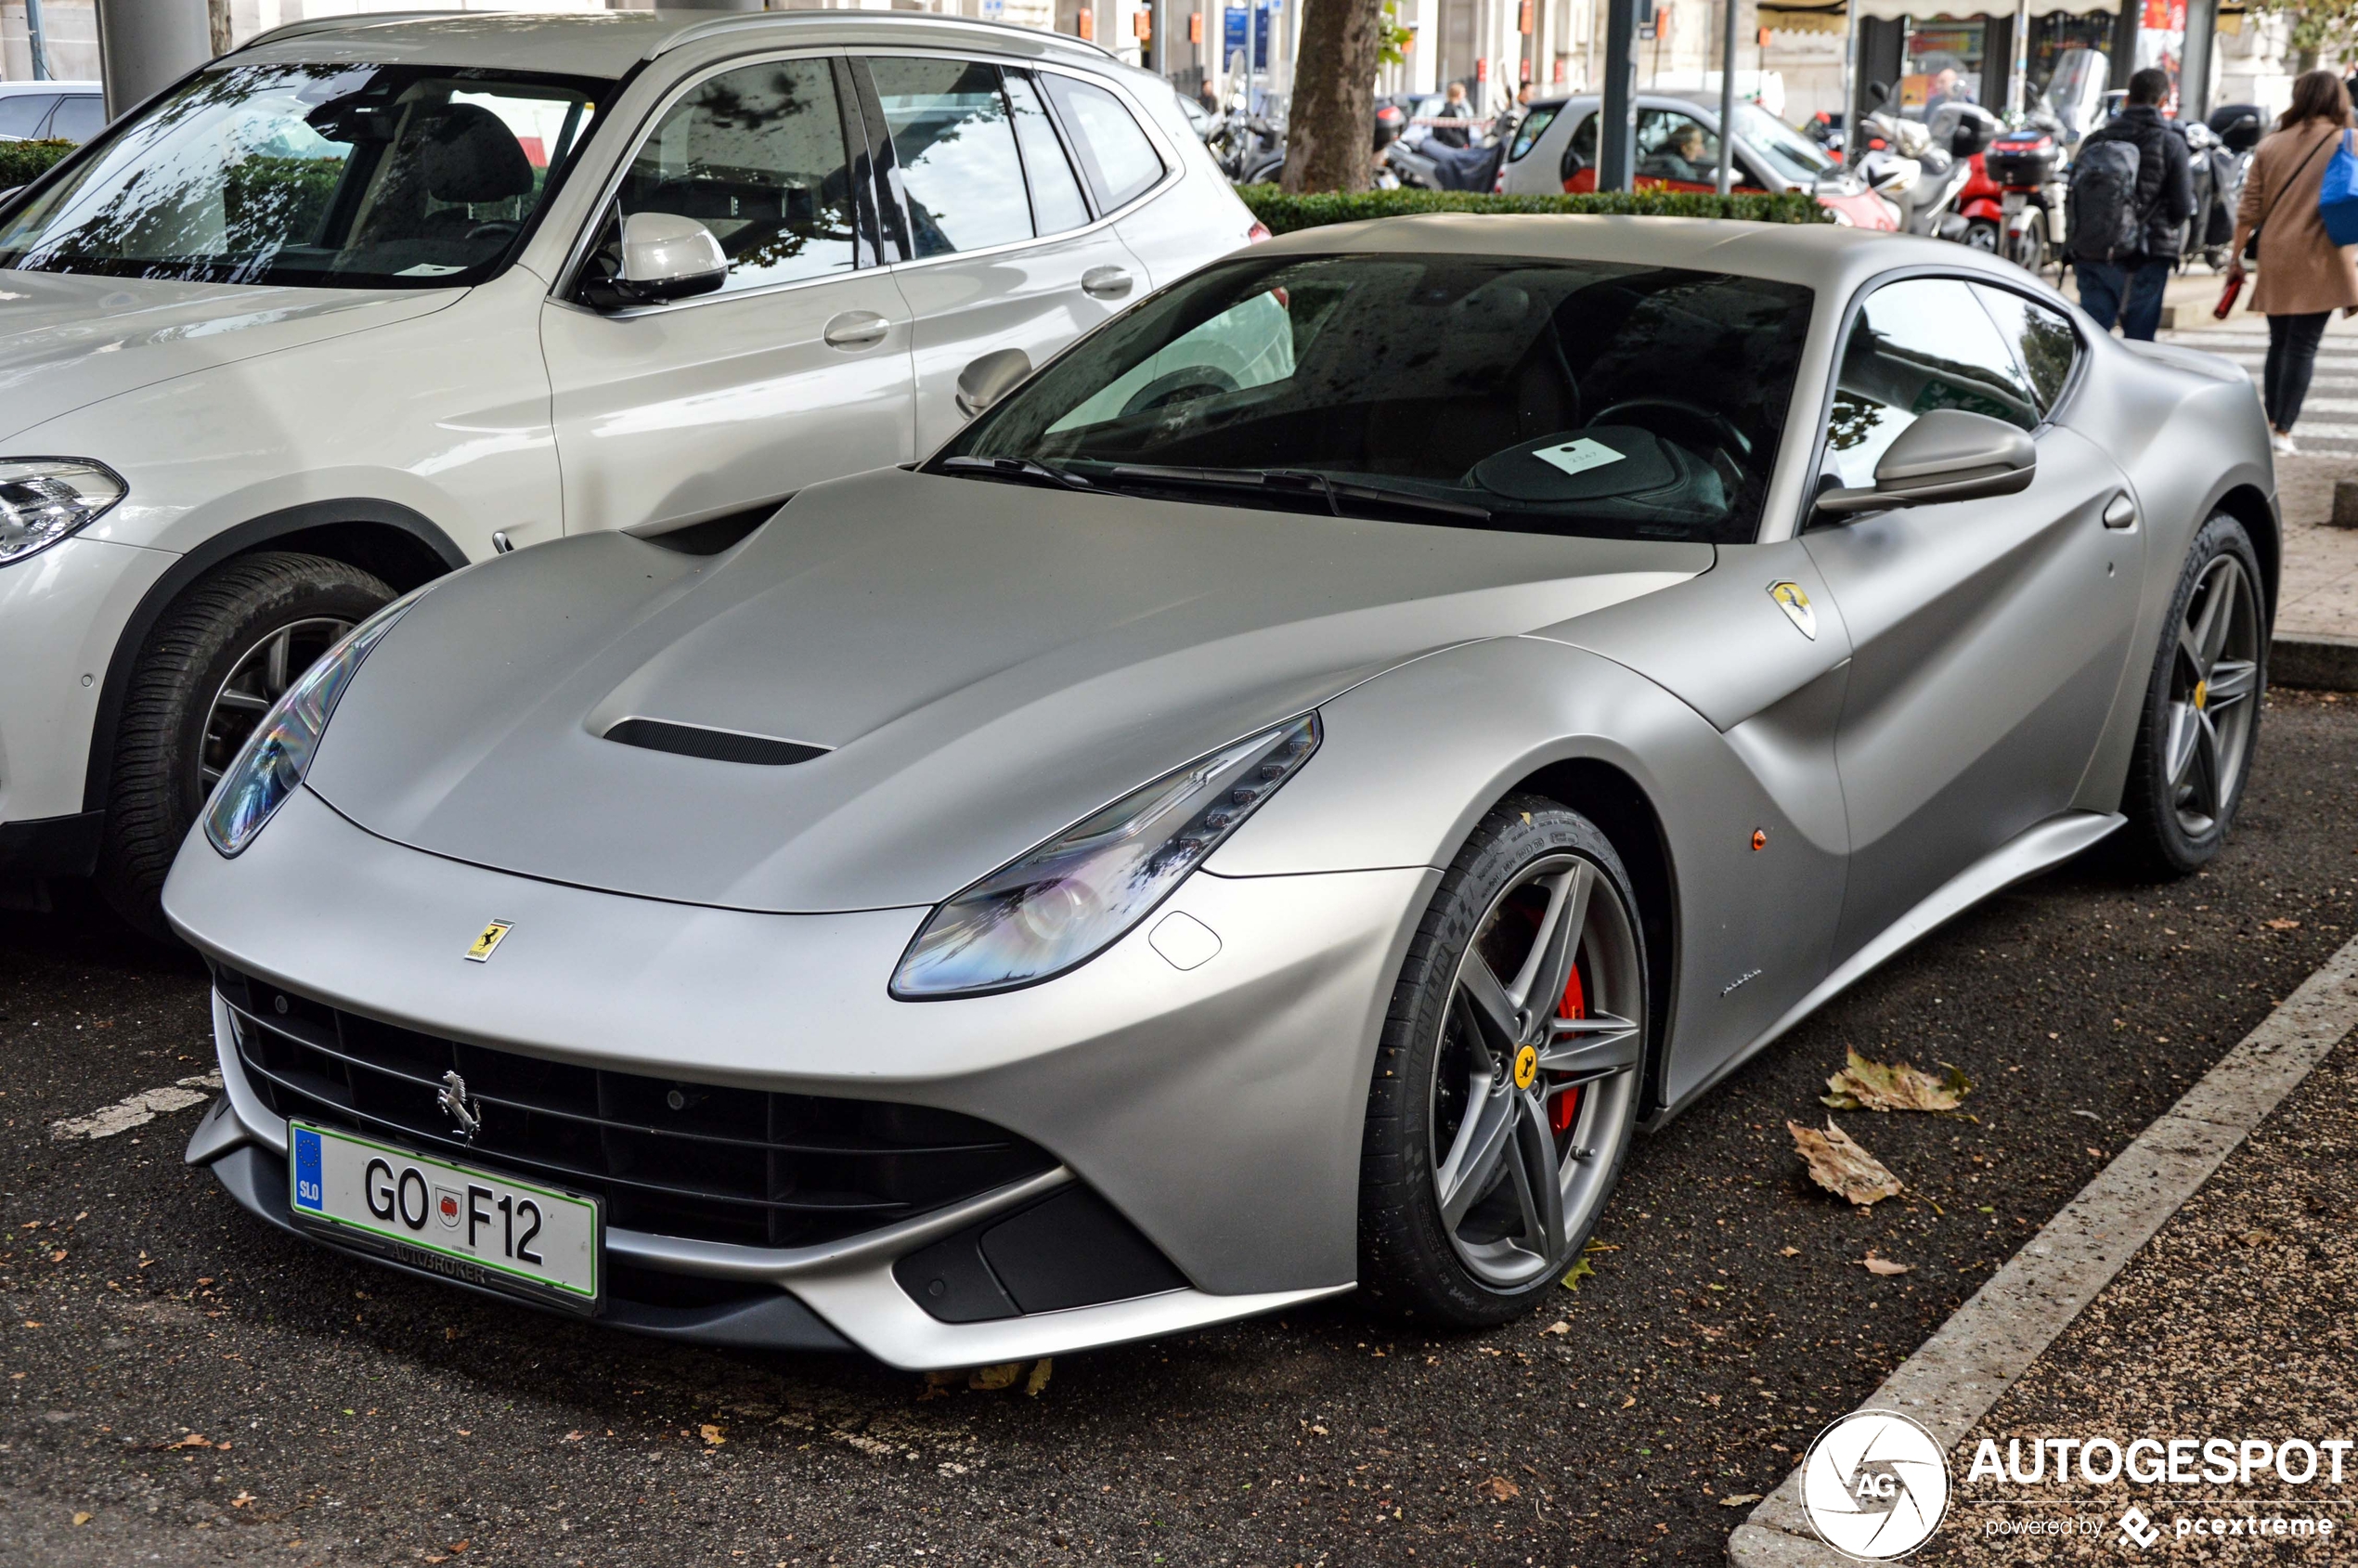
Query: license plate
[{"x": 457, "y": 1221}]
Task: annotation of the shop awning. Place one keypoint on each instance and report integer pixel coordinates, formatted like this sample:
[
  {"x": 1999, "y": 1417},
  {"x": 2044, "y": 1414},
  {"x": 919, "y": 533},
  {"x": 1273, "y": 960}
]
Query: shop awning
[{"x": 1834, "y": 18}]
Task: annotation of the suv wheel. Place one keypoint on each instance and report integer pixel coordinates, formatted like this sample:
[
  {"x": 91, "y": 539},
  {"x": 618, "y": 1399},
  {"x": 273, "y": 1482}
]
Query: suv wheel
[{"x": 221, "y": 656}]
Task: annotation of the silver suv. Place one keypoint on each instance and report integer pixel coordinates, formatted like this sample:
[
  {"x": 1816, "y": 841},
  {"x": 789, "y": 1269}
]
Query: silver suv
[{"x": 373, "y": 298}]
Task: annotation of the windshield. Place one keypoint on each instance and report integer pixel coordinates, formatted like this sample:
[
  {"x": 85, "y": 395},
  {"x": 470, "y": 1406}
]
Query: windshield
[
  {"x": 1545, "y": 397},
  {"x": 353, "y": 177},
  {"x": 1792, "y": 154}
]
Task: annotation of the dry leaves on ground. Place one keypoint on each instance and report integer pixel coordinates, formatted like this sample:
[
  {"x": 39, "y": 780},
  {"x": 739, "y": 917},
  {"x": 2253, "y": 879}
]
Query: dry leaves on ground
[
  {"x": 1840, "y": 1166},
  {"x": 1580, "y": 1270},
  {"x": 1500, "y": 1487},
  {"x": 712, "y": 1436},
  {"x": 1865, "y": 1086},
  {"x": 1739, "y": 1499},
  {"x": 2282, "y": 924},
  {"x": 1884, "y": 1265}
]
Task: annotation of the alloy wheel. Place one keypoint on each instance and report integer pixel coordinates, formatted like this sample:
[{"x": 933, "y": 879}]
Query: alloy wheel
[
  {"x": 2214, "y": 687},
  {"x": 1536, "y": 1080},
  {"x": 260, "y": 678}
]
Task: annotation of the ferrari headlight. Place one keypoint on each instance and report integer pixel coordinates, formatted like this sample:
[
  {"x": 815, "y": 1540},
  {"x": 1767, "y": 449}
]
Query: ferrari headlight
[
  {"x": 278, "y": 753},
  {"x": 43, "y": 499},
  {"x": 1064, "y": 903}
]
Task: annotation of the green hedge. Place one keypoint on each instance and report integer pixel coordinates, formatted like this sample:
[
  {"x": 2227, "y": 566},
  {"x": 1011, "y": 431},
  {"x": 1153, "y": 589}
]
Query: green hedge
[
  {"x": 1284, "y": 214},
  {"x": 22, "y": 162}
]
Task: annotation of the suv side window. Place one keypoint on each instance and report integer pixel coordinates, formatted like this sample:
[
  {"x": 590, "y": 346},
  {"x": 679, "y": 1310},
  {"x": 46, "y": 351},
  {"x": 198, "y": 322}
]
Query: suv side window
[
  {"x": 1916, "y": 345},
  {"x": 80, "y": 116},
  {"x": 21, "y": 113},
  {"x": 755, "y": 155},
  {"x": 1120, "y": 162},
  {"x": 2042, "y": 340},
  {"x": 954, "y": 143},
  {"x": 1056, "y": 204}
]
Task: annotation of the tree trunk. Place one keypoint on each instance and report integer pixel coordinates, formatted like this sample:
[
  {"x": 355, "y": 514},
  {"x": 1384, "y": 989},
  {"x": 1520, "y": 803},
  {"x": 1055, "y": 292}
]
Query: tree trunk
[
  {"x": 218, "y": 23},
  {"x": 1330, "y": 128}
]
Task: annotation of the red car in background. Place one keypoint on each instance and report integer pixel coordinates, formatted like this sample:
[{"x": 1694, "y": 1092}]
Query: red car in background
[{"x": 1555, "y": 148}]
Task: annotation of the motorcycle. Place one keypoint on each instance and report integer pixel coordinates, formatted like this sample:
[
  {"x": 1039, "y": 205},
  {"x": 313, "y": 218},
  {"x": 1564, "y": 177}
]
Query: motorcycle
[
  {"x": 1423, "y": 163},
  {"x": 1250, "y": 149},
  {"x": 2026, "y": 165},
  {"x": 1923, "y": 166}
]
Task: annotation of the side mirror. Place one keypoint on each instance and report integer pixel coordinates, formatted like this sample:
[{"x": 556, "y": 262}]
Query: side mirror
[
  {"x": 665, "y": 256},
  {"x": 1948, "y": 455},
  {"x": 1879, "y": 92},
  {"x": 986, "y": 379}
]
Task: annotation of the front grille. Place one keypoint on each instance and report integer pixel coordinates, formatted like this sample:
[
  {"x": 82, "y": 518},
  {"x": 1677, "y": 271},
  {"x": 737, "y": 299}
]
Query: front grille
[{"x": 668, "y": 1155}]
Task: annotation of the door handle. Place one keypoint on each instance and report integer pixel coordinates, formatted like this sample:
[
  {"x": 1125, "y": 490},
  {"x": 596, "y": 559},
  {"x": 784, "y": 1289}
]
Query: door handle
[
  {"x": 856, "y": 328},
  {"x": 1105, "y": 282},
  {"x": 2120, "y": 511}
]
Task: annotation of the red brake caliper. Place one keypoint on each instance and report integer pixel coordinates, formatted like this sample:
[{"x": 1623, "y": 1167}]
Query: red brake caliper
[{"x": 1565, "y": 1108}]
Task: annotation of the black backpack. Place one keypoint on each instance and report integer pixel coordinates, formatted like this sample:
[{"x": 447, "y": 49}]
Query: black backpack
[{"x": 2100, "y": 210}]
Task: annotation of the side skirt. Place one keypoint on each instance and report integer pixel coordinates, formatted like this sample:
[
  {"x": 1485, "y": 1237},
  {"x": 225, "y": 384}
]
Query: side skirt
[{"x": 2035, "y": 849}]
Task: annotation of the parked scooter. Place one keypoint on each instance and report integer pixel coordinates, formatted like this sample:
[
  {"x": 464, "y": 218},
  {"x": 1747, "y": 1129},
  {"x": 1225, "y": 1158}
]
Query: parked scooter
[
  {"x": 1250, "y": 149},
  {"x": 2218, "y": 173},
  {"x": 2027, "y": 166},
  {"x": 1423, "y": 163},
  {"x": 1923, "y": 166}
]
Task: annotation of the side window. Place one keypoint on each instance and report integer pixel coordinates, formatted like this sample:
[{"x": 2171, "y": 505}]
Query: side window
[
  {"x": 1581, "y": 152},
  {"x": 1055, "y": 189},
  {"x": 1675, "y": 149},
  {"x": 80, "y": 117},
  {"x": 2043, "y": 340},
  {"x": 1535, "y": 125},
  {"x": 1918, "y": 345},
  {"x": 1120, "y": 162},
  {"x": 21, "y": 113},
  {"x": 755, "y": 155},
  {"x": 955, "y": 145}
]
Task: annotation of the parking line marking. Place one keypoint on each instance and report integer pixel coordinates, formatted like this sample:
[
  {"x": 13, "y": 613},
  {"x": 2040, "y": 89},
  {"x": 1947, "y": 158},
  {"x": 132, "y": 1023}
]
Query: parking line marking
[
  {"x": 1959, "y": 1373},
  {"x": 137, "y": 1112}
]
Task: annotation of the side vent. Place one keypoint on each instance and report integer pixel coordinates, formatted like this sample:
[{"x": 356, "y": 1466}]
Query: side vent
[{"x": 713, "y": 745}]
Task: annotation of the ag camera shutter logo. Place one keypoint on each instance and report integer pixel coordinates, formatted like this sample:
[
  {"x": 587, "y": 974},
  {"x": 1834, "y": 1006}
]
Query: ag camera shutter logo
[{"x": 1875, "y": 1485}]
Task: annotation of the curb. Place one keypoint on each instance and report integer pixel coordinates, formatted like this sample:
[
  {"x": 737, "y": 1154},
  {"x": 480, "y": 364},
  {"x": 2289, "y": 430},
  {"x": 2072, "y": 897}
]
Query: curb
[
  {"x": 1951, "y": 1382},
  {"x": 2316, "y": 660}
]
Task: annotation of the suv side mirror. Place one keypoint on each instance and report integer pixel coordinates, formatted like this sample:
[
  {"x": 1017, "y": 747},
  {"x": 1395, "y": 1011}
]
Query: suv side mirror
[
  {"x": 1948, "y": 455},
  {"x": 986, "y": 379},
  {"x": 665, "y": 256}
]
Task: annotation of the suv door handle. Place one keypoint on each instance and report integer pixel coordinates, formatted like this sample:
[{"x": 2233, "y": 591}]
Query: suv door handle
[
  {"x": 1105, "y": 282},
  {"x": 2120, "y": 511},
  {"x": 856, "y": 328}
]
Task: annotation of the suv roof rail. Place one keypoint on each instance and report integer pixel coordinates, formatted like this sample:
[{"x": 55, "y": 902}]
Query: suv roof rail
[{"x": 722, "y": 26}]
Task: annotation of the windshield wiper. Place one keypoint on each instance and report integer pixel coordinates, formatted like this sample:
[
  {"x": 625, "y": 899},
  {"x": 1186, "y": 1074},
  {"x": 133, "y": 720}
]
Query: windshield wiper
[
  {"x": 1297, "y": 482},
  {"x": 1020, "y": 470}
]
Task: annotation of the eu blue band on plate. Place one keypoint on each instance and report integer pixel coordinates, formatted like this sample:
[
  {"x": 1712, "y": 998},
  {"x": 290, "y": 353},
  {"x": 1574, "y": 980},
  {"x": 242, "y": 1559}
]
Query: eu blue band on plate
[{"x": 307, "y": 1164}]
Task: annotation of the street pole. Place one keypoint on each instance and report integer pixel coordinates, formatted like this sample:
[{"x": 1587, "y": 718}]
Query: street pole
[
  {"x": 1728, "y": 95},
  {"x": 36, "y": 41},
  {"x": 1853, "y": 138},
  {"x": 145, "y": 45},
  {"x": 2194, "y": 61},
  {"x": 2018, "y": 86},
  {"x": 1617, "y": 137}
]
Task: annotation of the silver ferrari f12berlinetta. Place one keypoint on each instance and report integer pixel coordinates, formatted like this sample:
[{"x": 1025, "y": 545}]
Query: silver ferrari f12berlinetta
[{"x": 1270, "y": 808}]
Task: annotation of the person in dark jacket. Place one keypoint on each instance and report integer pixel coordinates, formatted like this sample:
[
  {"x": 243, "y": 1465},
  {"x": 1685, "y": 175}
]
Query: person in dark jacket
[{"x": 2127, "y": 289}]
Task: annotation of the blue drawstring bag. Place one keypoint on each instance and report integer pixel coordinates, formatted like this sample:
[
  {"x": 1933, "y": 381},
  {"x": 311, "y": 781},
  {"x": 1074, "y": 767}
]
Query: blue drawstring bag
[{"x": 2338, "y": 197}]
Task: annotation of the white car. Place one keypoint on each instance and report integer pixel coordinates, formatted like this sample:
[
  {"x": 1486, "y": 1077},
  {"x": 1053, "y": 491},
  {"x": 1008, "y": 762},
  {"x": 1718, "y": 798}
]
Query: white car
[{"x": 373, "y": 298}]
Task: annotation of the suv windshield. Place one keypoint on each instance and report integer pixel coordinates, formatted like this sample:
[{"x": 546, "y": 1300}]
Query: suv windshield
[
  {"x": 1795, "y": 156},
  {"x": 1542, "y": 396},
  {"x": 341, "y": 176}
]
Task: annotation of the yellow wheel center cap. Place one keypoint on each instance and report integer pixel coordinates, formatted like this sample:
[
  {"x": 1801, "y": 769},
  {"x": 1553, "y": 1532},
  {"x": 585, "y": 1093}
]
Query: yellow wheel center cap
[
  {"x": 2202, "y": 694},
  {"x": 1526, "y": 1066}
]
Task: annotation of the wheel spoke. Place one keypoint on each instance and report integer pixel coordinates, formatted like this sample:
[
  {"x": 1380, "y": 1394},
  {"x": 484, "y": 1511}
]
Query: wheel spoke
[
  {"x": 209, "y": 777},
  {"x": 2217, "y": 617},
  {"x": 275, "y": 662},
  {"x": 1581, "y": 1050},
  {"x": 1481, "y": 1147},
  {"x": 2205, "y": 778},
  {"x": 242, "y": 702},
  {"x": 1539, "y": 986},
  {"x": 2185, "y": 733},
  {"x": 1485, "y": 1008},
  {"x": 2230, "y": 681},
  {"x": 1538, "y": 1185}
]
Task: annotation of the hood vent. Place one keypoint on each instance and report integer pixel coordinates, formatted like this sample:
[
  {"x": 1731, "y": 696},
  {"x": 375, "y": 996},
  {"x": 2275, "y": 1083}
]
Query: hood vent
[{"x": 713, "y": 745}]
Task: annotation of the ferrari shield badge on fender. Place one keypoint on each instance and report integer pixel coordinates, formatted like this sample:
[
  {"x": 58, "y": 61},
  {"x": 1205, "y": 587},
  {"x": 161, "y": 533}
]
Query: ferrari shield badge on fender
[
  {"x": 488, "y": 943},
  {"x": 1796, "y": 604}
]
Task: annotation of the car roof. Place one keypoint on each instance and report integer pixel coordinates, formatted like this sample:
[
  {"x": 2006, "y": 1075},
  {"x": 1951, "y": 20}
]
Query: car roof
[
  {"x": 608, "y": 43},
  {"x": 1824, "y": 256},
  {"x": 19, "y": 89},
  {"x": 1647, "y": 96}
]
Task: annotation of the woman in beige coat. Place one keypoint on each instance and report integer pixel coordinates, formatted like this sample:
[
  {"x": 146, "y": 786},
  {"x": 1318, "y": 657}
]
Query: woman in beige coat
[{"x": 2304, "y": 276}]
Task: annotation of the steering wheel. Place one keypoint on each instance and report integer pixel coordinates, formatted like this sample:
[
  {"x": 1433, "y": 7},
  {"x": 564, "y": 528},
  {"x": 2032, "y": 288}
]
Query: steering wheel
[
  {"x": 1183, "y": 385},
  {"x": 497, "y": 229},
  {"x": 1719, "y": 430}
]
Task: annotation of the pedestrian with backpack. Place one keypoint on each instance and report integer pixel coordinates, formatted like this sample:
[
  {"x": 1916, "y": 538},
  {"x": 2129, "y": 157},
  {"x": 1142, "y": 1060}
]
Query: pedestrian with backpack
[
  {"x": 2132, "y": 190},
  {"x": 2304, "y": 276}
]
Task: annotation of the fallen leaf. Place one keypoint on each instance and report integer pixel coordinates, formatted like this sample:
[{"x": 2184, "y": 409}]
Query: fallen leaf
[
  {"x": 2095, "y": 1154},
  {"x": 82, "y": 1519},
  {"x": 1580, "y": 1271},
  {"x": 939, "y": 1384},
  {"x": 1788, "y": 1252},
  {"x": 574, "y": 1437},
  {"x": 194, "y": 1440},
  {"x": 241, "y": 1499},
  {"x": 711, "y": 1435},
  {"x": 1500, "y": 1487},
  {"x": 1039, "y": 1378},
  {"x": 1558, "y": 1326},
  {"x": 1003, "y": 1376},
  {"x": 2256, "y": 1238},
  {"x": 58, "y": 1257},
  {"x": 457, "y": 1547},
  {"x": 1739, "y": 1499},
  {"x": 2283, "y": 925},
  {"x": 1629, "y": 1401},
  {"x": 1884, "y": 1265},
  {"x": 1865, "y": 1086},
  {"x": 1840, "y": 1166}
]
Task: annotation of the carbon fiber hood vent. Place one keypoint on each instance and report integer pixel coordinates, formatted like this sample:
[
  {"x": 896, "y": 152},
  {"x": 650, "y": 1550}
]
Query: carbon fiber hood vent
[{"x": 713, "y": 745}]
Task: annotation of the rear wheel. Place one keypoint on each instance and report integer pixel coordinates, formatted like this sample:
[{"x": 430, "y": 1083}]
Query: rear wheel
[
  {"x": 2201, "y": 719},
  {"x": 1982, "y": 234},
  {"x": 2027, "y": 249},
  {"x": 221, "y": 656},
  {"x": 1506, "y": 1086}
]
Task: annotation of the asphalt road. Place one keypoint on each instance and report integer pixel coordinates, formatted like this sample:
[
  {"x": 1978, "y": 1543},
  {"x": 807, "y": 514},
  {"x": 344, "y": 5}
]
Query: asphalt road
[{"x": 183, "y": 1385}]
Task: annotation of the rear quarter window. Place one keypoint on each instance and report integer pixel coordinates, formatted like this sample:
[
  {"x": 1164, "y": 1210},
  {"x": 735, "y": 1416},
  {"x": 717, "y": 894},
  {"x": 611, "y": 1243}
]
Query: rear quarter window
[{"x": 1118, "y": 158}]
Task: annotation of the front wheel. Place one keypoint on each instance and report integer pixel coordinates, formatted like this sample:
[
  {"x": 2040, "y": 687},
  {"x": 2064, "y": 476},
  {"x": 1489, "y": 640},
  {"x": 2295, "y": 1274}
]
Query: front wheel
[
  {"x": 1505, "y": 1084},
  {"x": 2201, "y": 719},
  {"x": 1982, "y": 234}
]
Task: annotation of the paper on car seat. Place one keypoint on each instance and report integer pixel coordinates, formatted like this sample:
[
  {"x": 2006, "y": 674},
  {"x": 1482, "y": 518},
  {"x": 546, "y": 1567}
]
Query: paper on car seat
[{"x": 1578, "y": 457}]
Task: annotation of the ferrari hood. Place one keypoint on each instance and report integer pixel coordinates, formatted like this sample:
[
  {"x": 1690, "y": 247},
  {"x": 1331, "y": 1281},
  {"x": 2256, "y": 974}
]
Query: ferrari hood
[
  {"x": 971, "y": 664},
  {"x": 69, "y": 340}
]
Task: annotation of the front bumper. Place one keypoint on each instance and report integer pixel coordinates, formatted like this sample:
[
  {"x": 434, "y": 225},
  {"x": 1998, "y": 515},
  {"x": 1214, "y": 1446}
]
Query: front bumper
[{"x": 1217, "y": 1110}]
